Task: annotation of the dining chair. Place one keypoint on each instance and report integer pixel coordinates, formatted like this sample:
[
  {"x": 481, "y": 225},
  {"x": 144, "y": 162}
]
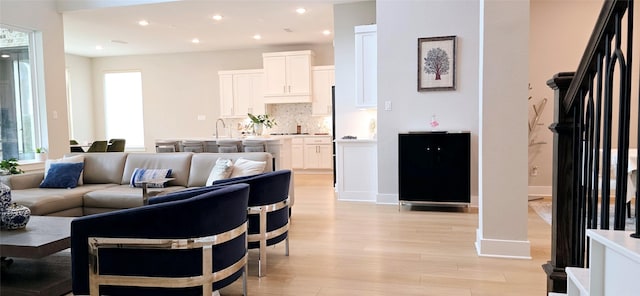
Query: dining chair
[
  {"x": 74, "y": 146},
  {"x": 116, "y": 145},
  {"x": 98, "y": 146}
]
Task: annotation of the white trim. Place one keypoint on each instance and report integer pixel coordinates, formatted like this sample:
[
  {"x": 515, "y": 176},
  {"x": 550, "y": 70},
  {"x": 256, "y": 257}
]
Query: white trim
[{"x": 499, "y": 248}]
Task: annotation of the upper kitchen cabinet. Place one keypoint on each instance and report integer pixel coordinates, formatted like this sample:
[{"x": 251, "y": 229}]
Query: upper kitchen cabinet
[
  {"x": 323, "y": 79},
  {"x": 366, "y": 66},
  {"x": 288, "y": 76},
  {"x": 241, "y": 92}
]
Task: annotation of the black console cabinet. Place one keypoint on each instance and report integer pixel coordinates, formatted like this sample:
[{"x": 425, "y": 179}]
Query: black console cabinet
[{"x": 434, "y": 167}]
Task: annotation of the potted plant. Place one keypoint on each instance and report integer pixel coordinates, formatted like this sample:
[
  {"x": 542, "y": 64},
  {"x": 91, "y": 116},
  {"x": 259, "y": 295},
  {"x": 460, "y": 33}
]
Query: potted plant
[
  {"x": 258, "y": 122},
  {"x": 41, "y": 154},
  {"x": 9, "y": 167}
]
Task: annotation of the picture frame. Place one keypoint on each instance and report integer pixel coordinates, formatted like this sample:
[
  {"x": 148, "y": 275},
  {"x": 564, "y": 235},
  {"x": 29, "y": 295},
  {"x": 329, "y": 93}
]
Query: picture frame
[{"x": 437, "y": 63}]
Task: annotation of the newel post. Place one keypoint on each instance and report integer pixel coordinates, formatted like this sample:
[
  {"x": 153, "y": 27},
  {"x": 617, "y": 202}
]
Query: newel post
[{"x": 564, "y": 191}]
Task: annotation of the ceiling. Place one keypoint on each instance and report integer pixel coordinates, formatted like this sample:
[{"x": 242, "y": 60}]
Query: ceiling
[{"x": 173, "y": 25}]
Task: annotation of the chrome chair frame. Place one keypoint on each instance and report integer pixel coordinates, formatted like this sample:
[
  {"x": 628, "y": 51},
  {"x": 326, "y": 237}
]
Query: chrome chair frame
[
  {"x": 263, "y": 236},
  {"x": 205, "y": 280}
]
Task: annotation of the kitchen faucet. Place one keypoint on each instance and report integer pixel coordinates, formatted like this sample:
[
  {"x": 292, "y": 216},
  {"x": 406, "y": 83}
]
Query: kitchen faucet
[{"x": 223, "y": 126}]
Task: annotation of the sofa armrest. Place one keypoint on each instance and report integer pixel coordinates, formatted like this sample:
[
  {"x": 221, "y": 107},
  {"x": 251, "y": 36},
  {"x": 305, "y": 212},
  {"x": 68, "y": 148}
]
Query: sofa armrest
[{"x": 23, "y": 181}]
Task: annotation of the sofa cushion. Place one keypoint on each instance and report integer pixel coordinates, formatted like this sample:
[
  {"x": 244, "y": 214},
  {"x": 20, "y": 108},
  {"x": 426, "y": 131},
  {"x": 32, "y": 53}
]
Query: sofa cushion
[
  {"x": 179, "y": 163},
  {"x": 66, "y": 159},
  {"x": 44, "y": 201},
  {"x": 62, "y": 175},
  {"x": 103, "y": 167},
  {"x": 202, "y": 163},
  {"x": 121, "y": 196},
  {"x": 246, "y": 167},
  {"x": 141, "y": 175},
  {"x": 222, "y": 170}
]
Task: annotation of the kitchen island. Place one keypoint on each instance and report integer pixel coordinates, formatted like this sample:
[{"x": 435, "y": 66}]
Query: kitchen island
[{"x": 284, "y": 149}]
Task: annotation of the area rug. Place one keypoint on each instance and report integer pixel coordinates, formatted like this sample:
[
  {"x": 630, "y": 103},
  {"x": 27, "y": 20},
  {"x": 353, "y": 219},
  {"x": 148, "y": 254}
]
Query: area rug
[{"x": 542, "y": 207}]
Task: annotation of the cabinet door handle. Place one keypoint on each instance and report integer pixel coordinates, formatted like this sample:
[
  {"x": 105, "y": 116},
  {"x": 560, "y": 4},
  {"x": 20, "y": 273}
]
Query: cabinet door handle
[
  {"x": 289, "y": 88},
  {"x": 284, "y": 89}
]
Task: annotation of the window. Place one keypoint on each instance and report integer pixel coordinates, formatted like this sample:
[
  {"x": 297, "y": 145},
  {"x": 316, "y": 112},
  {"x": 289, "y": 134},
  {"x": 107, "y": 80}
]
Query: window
[
  {"x": 20, "y": 132},
  {"x": 123, "y": 107}
]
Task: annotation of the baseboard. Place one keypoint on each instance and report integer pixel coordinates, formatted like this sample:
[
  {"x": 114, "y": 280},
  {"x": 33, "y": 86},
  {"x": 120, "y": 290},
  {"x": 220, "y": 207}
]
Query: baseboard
[
  {"x": 364, "y": 196},
  {"x": 540, "y": 191},
  {"x": 389, "y": 199},
  {"x": 499, "y": 248}
]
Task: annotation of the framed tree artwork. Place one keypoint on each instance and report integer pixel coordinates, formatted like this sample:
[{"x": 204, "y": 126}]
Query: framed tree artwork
[{"x": 437, "y": 63}]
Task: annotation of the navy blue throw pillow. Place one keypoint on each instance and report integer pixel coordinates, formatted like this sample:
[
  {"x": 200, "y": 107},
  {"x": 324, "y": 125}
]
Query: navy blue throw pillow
[{"x": 63, "y": 175}]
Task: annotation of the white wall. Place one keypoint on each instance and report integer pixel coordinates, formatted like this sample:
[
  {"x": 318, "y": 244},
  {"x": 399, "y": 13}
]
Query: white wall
[
  {"x": 177, "y": 88},
  {"x": 400, "y": 24},
  {"x": 80, "y": 96},
  {"x": 349, "y": 119},
  {"x": 41, "y": 16},
  {"x": 559, "y": 34}
]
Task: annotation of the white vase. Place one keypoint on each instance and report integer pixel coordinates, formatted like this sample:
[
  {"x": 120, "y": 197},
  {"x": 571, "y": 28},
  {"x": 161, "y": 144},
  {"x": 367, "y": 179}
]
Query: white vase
[{"x": 258, "y": 128}]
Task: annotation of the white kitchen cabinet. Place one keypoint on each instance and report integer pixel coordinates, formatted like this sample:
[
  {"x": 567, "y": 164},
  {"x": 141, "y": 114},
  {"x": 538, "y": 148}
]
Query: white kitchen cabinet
[
  {"x": 288, "y": 76},
  {"x": 356, "y": 170},
  {"x": 323, "y": 79},
  {"x": 366, "y": 66},
  {"x": 241, "y": 92},
  {"x": 297, "y": 153},
  {"x": 318, "y": 153}
]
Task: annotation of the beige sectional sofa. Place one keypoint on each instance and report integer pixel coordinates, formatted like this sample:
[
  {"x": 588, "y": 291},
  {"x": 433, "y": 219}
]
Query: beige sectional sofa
[{"x": 106, "y": 178}]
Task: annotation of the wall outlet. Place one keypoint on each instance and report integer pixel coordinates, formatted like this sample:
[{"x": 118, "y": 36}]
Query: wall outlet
[
  {"x": 534, "y": 170},
  {"x": 387, "y": 105},
  {"x": 202, "y": 117}
]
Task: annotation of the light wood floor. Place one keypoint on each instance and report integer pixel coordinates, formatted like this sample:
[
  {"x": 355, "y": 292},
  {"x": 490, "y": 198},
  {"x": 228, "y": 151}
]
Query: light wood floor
[{"x": 351, "y": 248}]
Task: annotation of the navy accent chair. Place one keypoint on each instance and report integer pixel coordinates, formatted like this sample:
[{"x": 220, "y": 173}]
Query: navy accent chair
[
  {"x": 268, "y": 221},
  {"x": 190, "y": 242}
]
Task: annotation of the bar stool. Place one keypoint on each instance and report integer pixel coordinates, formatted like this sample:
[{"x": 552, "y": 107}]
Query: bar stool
[
  {"x": 252, "y": 145},
  {"x": 166, "y": 146},
  {"x": 229, "y": 146},
  {"x": 192, "y": 146},
  {"x": 210, "y": 146}
]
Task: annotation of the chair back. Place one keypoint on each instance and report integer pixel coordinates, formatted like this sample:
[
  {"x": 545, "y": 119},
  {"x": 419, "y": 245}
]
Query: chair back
[
  {"x": 169, "y": 247},
  {"x": 268, "y": 212},
  {"x": 98, "y": 146},
  {"x": 116, "y": 145}
]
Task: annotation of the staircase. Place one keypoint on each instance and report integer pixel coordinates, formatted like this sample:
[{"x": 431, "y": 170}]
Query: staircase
[
  {"x": 614, "y": 266},
  {"x": 586, "y": 260}
]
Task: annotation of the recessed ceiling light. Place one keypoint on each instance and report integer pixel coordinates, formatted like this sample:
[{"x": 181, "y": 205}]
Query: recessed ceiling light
[
  {"x": 326, "y": 32},
  {"x": 301, "y": 10},
  {"x": 99, "y": 47},
  {"x": 257, "y": 37},
  {"x": 217, "y": 17},
  {"x": 195, "y": 40},
  {"x": 143, "y": 23},
  {"x": 5, "y": 56}
]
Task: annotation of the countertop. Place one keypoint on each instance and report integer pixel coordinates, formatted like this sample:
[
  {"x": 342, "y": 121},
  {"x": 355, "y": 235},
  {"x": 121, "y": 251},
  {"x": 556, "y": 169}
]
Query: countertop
[{"x": 346, "y": 141}]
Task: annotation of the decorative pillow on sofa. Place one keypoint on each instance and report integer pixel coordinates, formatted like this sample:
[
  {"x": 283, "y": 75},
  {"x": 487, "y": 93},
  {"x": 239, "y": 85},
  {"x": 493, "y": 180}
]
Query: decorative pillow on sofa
[
  {"x": 141, "y": 175},
  {"x": 222, "y": 170},
  {"x": 62, "y": 175},
  {"x": 66, "y": 159},
  {"x": 245, "y": 167}
]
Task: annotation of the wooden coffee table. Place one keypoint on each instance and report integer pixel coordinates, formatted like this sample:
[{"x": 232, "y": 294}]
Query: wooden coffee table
[{"x": 40, "y": 265}]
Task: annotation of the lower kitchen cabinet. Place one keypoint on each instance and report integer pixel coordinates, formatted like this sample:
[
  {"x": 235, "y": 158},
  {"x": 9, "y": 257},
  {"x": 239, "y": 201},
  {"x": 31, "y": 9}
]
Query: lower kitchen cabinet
[{"x": 312, "y": 153}]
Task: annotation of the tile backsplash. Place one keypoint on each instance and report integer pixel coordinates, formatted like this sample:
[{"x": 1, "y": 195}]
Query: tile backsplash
[{"x": 288, "y": 116}]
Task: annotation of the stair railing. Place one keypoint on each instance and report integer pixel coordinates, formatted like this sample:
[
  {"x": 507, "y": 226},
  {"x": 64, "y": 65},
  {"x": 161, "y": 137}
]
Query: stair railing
[{"x": 584, "y": 131}]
